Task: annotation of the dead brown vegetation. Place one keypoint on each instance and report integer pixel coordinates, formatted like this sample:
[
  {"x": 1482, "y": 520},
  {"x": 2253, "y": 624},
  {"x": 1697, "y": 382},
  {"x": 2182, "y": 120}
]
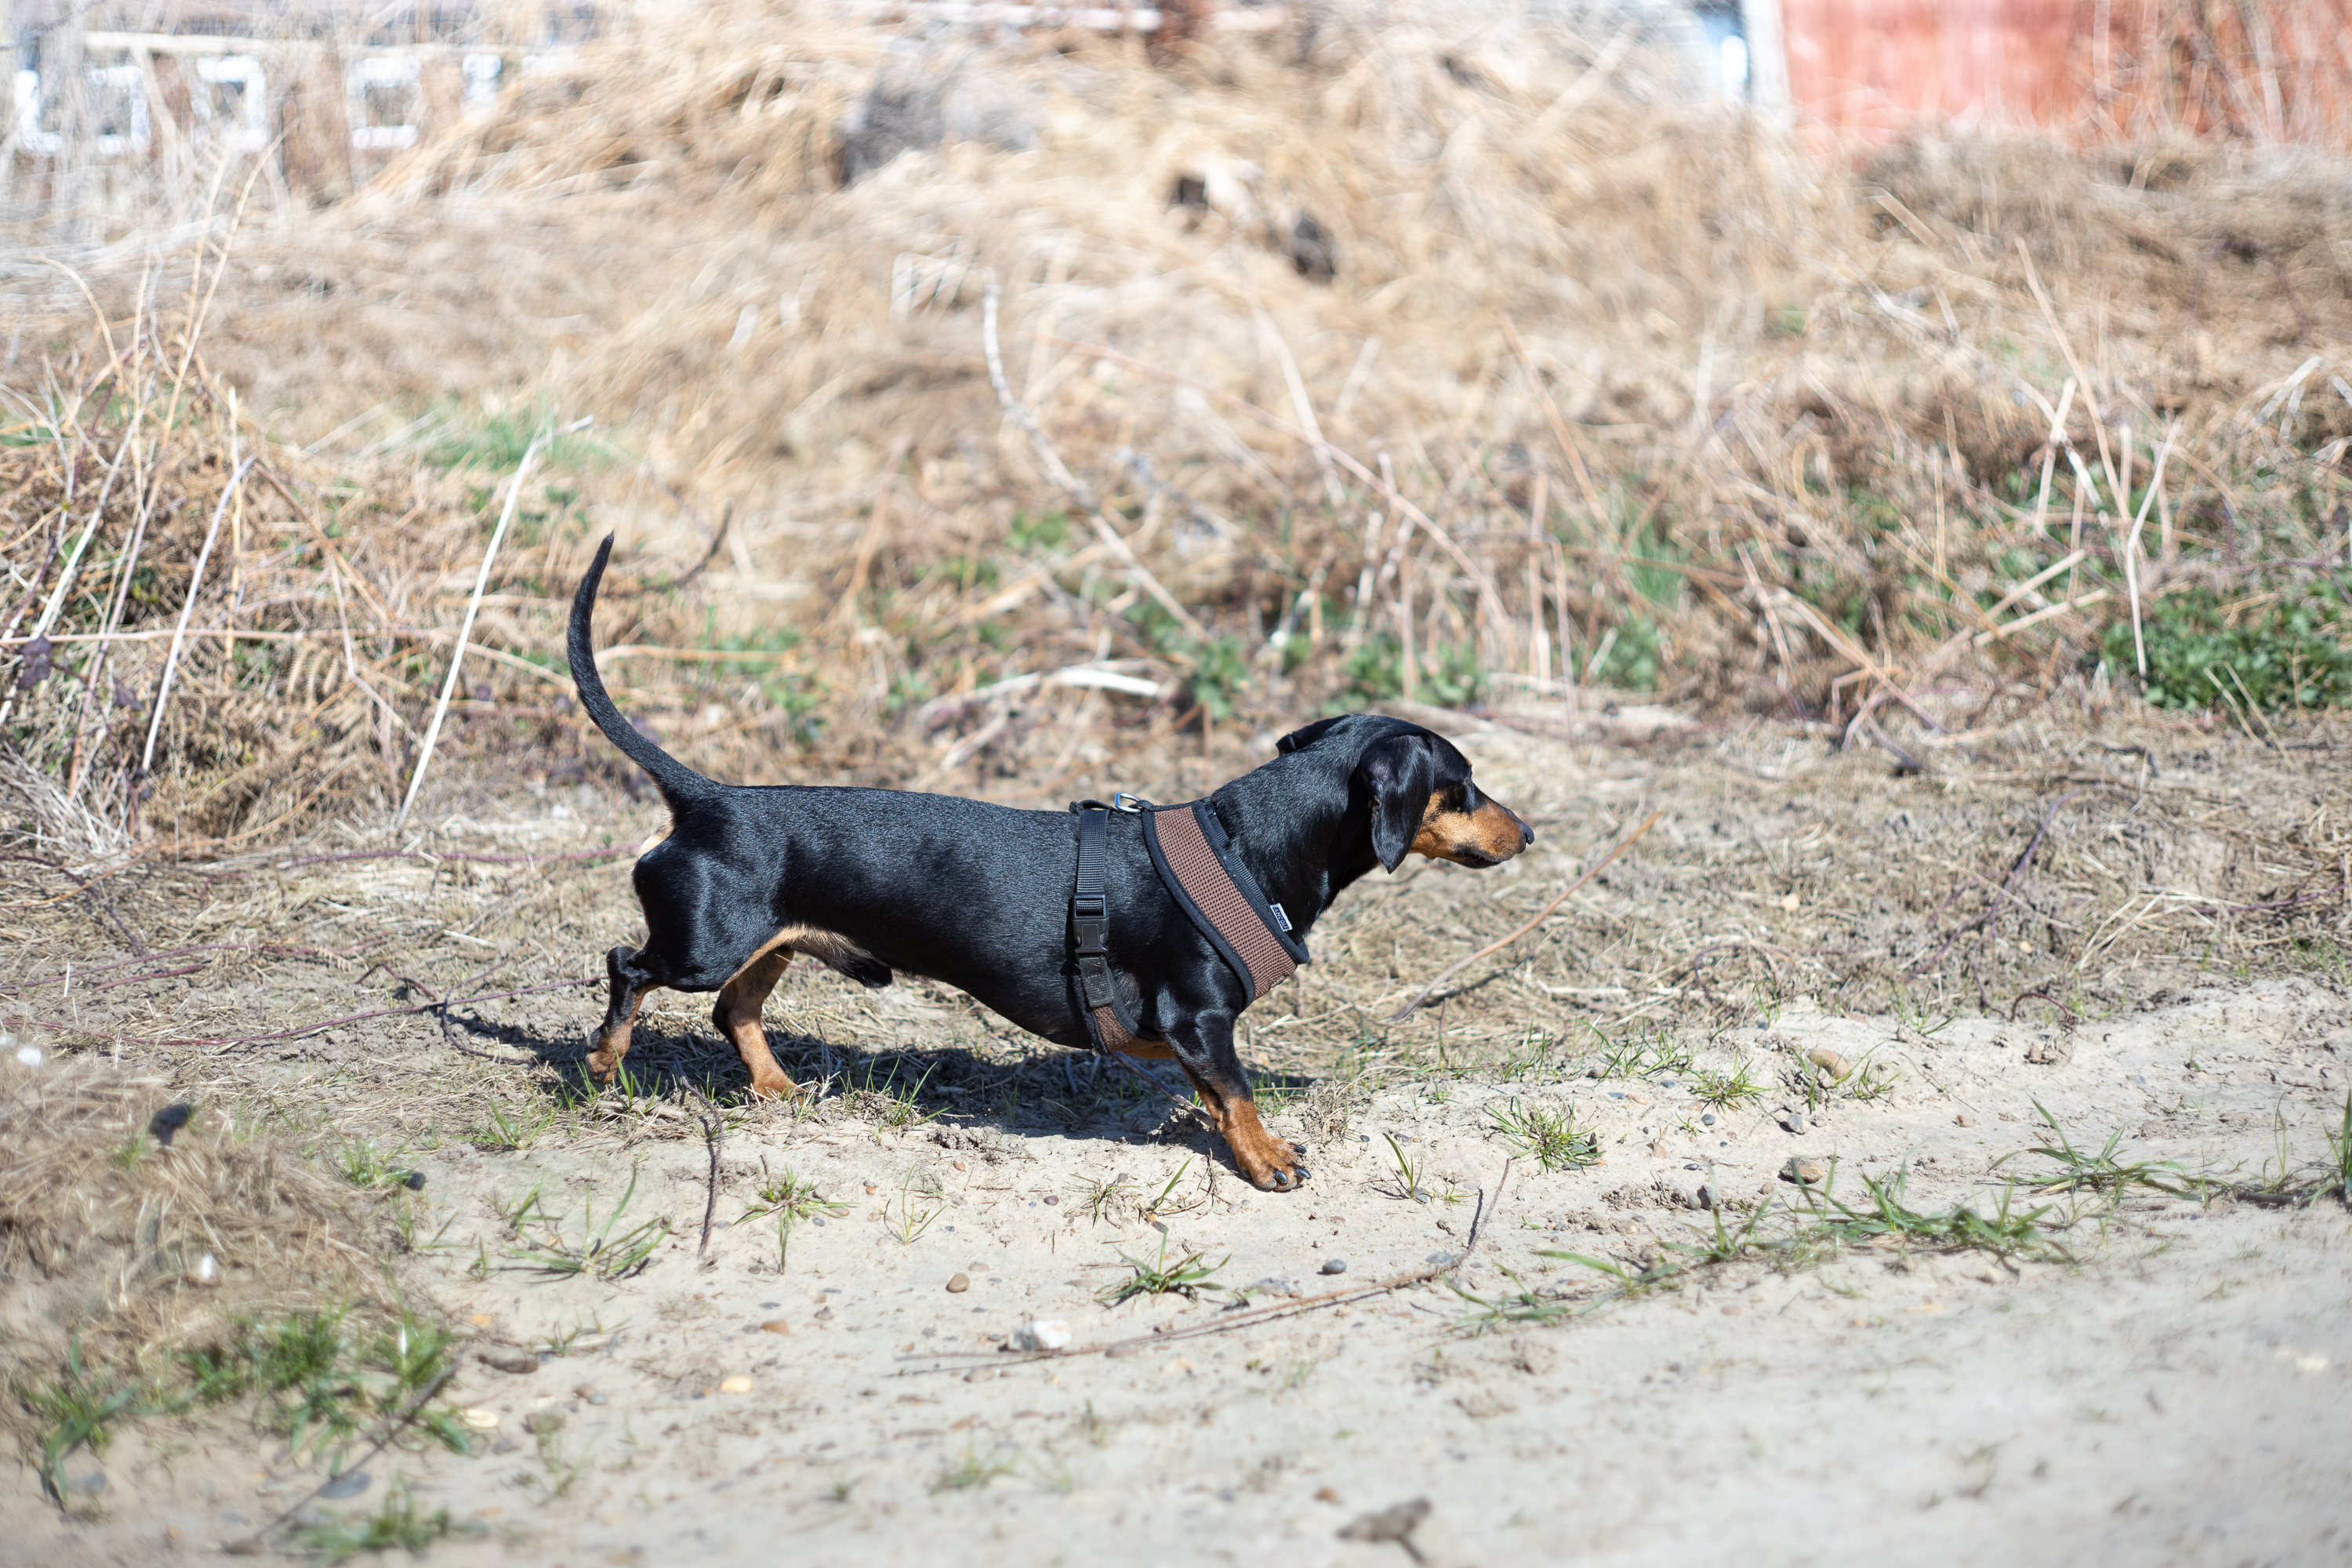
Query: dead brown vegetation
[
  {"x": 1597, "y": 394},
  {"x": 133, "y": 1223}
]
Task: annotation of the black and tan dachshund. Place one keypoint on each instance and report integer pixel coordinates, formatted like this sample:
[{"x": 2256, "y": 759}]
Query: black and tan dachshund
[{"x": 871, "y": 881}]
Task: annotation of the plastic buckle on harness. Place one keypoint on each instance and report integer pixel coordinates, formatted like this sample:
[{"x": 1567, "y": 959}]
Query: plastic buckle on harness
[{"x": 1090, "y": 917}]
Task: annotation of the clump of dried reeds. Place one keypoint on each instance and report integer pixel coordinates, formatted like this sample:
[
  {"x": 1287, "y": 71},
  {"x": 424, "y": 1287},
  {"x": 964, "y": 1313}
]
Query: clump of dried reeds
[{"x": 1597, "y": 393}]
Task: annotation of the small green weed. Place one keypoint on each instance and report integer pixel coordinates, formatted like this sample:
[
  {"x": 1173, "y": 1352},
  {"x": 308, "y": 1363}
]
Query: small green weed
[
  {"x": 317, "y": 1378},
  {"x": 910, "y": 1223},
  {"x": 1649, "y": 1054},
  {"x": 891, "y": 1104},
  {"x": 1448, "y": 677},
  {"x": 364, "y": 1166},
  {"x": 1725, "y": 1090},
  {"x": 2079, "y": 1171},
  {"x": 1048, "y": 531},
  {"x": 1187, "y": 1276},
  {"x": 2289, "y": 647},
  {"x": 510, "y": 1131},
  {"x": 1548, "y": 1135},
  {"x": 1161, "y": 1204},
  {"x": 975, "y": 1470},
  {"x": 2003, "y": 1231},
  {"x": 1100, "y": 1197},
  {"x": 596, "y": 1250},
  {"x": 791, "y": 1200},
  {"x": 1408, "y": 1172},
  {"x": 399, "y": 1523},
  {"x": 1521, "y": 1303},
  {"x": 78, "y": 1410}
]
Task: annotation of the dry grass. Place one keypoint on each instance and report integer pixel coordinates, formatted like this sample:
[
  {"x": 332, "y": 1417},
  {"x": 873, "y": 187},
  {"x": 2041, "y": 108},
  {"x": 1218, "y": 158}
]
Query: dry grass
[
  {"x": 1603, "y": 392},
  {"x": 119, "y": 1245}
]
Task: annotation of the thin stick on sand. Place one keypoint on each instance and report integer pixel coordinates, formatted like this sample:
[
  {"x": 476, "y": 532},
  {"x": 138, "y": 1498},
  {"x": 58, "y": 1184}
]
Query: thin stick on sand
[{"x": 1250, "y": 1317}]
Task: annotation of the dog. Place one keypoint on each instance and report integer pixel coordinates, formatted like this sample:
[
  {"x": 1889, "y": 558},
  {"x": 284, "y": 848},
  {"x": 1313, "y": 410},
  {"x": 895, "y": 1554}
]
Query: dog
[{"x": 872, "y": 882}]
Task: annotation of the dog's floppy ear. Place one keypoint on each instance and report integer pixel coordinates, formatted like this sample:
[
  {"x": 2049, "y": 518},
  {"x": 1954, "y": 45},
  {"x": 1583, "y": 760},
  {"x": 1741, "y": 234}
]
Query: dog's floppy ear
[
  {"x": 1399, "y": 773},
  {"x": 1306, "y": 737}
]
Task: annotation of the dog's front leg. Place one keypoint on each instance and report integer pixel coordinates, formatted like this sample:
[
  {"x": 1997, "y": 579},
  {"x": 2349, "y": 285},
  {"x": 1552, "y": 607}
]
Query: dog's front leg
[
  {"x": 631, "y": 980},
  {"x": 1204, "y": 1048}
]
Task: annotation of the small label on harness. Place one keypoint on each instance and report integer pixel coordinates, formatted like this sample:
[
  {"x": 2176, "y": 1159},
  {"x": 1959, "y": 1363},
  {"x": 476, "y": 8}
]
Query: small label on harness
[{"x": 1281, "y": 915}]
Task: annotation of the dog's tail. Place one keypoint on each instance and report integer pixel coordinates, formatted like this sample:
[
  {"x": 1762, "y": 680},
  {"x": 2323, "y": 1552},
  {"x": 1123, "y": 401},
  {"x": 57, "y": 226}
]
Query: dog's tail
[{"x": 678, "y": 783}]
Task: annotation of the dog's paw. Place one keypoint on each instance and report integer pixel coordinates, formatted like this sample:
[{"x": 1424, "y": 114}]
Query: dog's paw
[
  {"x": 1288, "y": 1181},
  {"x": 1277, "y": 1169},
  {"x": 775, "y": 1086}
]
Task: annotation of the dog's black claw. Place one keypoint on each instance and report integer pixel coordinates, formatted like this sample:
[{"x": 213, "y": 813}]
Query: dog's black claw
[
  {"x": 1299, "y": 1150},
  {"x": 1302, "y": 1174}
]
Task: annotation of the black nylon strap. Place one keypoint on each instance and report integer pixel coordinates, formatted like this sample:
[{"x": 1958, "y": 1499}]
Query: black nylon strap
[{"x": 1090, "y": 911}]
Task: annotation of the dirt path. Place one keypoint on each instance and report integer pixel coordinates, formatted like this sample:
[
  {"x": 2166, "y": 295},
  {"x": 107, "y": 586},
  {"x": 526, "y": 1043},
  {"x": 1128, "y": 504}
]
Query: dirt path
[{"x": 2161, "y": 1380}]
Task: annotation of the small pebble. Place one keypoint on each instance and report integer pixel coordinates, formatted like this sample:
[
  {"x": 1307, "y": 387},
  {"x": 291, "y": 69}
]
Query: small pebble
[
  {"x": 1964, "y": 1120},
  {"x": 479, "y": 1418},
  {"x": 958, "y": 1284},
  {"x": 1043, "y": 1335},
  {"x": 30, "y": 1056},
  {"x": 1052, "y": 1201},
  {"x": 1334, "y": 1266},
  {"x": 350, "y": 1484},
  {"x": 1805, "y": 1173},
  {"x": 739, "y": 1383},
  {"x": 775, "y": 1326},
  {"x": 824, "y": 1314},
  {"x": 1707, "y": 1121},
  {"x": 1829, "y": 1061}
]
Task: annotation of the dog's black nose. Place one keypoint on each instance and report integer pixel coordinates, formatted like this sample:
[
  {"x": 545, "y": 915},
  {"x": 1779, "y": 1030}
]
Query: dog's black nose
[{"x": 1526, "y": 833}]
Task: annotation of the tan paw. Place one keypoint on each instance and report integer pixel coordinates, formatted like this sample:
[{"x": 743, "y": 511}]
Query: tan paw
[
  {"x": 775, "y": 1086},
  {"x": 1271, "y": 1164}
]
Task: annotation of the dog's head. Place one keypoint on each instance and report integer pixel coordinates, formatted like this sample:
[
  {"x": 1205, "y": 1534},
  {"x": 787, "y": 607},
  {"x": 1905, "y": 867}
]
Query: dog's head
[{"x": 1416, "y": 789}]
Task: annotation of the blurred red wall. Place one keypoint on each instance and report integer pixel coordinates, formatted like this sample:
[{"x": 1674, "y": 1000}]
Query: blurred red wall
[{"x": 2086, "y": 69}]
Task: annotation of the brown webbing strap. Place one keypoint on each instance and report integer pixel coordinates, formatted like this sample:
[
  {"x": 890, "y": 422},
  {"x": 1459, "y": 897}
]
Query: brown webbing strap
[
  {"x": 1211, "y": 887},
  {"x": 1115, "y": 1037}
]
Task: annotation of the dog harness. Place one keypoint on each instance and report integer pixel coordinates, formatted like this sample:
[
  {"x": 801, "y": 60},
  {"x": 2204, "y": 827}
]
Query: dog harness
[{"x": 1197, "y": 865}]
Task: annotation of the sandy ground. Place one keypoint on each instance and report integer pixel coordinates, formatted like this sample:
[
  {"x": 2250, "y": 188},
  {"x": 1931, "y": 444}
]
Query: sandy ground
[{"x": 2170, "y": 1392}]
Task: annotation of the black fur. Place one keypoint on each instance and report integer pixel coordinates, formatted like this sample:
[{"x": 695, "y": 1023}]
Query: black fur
[{"x": 978, "y": 895}]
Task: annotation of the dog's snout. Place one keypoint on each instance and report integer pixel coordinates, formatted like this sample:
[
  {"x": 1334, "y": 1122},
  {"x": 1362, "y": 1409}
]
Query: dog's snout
[{"x": 1526, "y": 833}]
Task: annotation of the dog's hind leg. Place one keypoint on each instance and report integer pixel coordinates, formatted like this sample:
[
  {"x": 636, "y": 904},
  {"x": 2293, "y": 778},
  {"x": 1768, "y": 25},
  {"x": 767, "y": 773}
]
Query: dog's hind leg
[
  {"x": 736, "y": 1016},
  {"x": 631, "y": 979}
]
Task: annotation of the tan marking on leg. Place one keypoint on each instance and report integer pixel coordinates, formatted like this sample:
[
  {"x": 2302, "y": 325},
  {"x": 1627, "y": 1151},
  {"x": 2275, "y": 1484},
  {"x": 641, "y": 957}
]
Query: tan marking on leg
[
  {"x": 827, "y": 947},
  {"x": 661, "y": 834},
  {"x": 1150, "y": 1050},
  {"x": 739, "y": 1003},
  {"x": 613, "y": 1044},
  {"x": 1258, "y": 1153}
]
